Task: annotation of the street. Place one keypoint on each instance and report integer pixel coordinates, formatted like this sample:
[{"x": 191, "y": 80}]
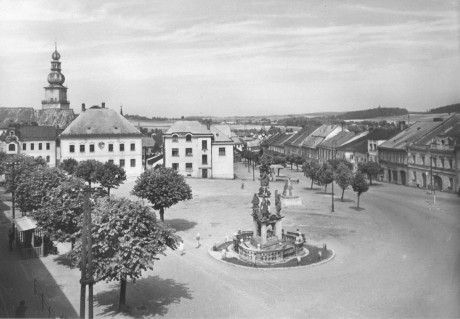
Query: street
[{"x": 397, "y": 256}]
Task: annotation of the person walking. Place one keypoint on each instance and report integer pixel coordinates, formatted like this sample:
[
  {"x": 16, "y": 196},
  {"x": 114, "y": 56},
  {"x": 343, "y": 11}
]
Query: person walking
[
  {"x": 198, "y": 240},
  {"x": 11, "y": 239},
  {"x": 242, "y": 185},
  {"x": 21, "y": 310}
]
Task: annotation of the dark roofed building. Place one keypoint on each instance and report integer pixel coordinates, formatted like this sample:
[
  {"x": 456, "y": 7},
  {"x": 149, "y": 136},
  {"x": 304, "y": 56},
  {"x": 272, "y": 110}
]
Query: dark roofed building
[{"x": 294, "y": 145}]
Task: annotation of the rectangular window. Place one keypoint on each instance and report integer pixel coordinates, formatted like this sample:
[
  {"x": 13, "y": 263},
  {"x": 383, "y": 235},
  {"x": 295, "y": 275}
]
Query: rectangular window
[
  {"x": 24, "y": 146},
  {"x": 133, "y": 147},
  {"x": 32, "y": 146},
  {"x": 40, "y": 146},
  {"x": 47, "y": 158},
  {"x": 82, "y": 148},
  {"x": 122, "y": 147},
  {"x": 204, "y": 159},
  {"x": 72, "y": 148},
  {"x": 133, "y": 162},
  {"x": 48, "y": 146},
  {"x": 175, "y": 166},
  {"x": 175, "y": 152},
  {"x": 450, "y": 163},
  {"x": 122, "y": 163},
  {"x": 91, "y": 148},
  {"x": 204, "y": 145},
  {"x": 175, "y": 138},
  {"x": 188, "y": 152},
  {"x": 221, "y": 151},
  {"x": 188, "y": 167},
  {"x": 110, "y": 147},
  {"x": 110, "y": 161}
]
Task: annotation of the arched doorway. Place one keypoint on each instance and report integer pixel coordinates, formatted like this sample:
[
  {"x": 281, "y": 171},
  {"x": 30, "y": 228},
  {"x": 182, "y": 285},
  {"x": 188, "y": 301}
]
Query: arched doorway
[
  {"x": 424, "y": 180},
  {"x": 403, "y": 177},
  {"x": 437, "y": 181}
]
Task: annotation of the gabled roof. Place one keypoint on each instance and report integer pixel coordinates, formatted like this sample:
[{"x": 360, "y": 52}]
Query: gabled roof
[
  {"x": 449, "y": 127},
  {"x": 361, "y": 144},
  {"x": 338, "y": 140},
  {"x": 219, "y": 136},
  {"x": 299, "y": 137},
  {"x": 410, "y": 135},
  {"x": 37, "y": 133},
  {"x": 18, "y": 115},
  {"x": 98, "y": 121},
  {"x": 318, "y": 135},
  {"x": 193, "y": 127},
  {"x": 278, "y": 139},
  {"x": 55, "y": 117}
]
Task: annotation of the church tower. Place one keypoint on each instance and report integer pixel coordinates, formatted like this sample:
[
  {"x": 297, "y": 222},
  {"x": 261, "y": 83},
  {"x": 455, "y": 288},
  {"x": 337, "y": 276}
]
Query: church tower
[{"x": 55, "y": 92}]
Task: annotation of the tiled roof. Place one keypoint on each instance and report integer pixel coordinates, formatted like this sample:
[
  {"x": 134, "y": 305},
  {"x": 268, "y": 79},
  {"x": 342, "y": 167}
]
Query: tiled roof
[
  {"x": 449, "y": 127},
  {"x": 338, "y": 140},
  {"x": 55, "y": 117},
  {"x": 37, "y": 133},
  {"x": 361, "y": 144},
  {"x": 193, "y": 127},
  {"x": 98, "y": 121},
  {"x": 409, "y": 135},
  {"x": 319, "y": 135},
  {"x": 10, "y": 115},
  {"x": 299, "y": 137},
  {"x": 219, "y": 136}
]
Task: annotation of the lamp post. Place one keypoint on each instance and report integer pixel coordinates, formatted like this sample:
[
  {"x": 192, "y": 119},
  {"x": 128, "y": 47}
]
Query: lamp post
[
  {"x": 13, "y": 190},
  {"x": 87, "y": 255},
  {"x": 333, "y": 156}
]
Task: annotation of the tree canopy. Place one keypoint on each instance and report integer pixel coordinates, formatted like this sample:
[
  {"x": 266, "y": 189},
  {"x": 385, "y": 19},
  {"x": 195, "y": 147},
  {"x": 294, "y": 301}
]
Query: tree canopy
[
  {"x": 344, "y": 177},
  {"x": 311, "y": 170},
  {"x": 359, "y": 185},
  {"x": 69, "y": 165},
  {"x": 325, "y": 175},
  {"x": 127, "y": 239},
  {"x": 111, "y": 176},
  {"x": 162, "y": 187},
  {"x": 23, "y": 165},
  {"x": 371, "y": 169},
  {"x": 88, "y": 170}
]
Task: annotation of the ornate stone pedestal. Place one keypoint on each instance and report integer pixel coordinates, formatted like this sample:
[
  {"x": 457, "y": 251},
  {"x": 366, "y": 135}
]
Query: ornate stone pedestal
[{"x": 288, "y": 201}]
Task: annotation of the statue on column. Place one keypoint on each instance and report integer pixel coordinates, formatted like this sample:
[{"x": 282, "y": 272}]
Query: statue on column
[{"x": 277, "y": 203}]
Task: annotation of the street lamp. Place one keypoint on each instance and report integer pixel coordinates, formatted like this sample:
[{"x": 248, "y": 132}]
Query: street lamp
[
  {"x": 13, "y": 164},
  {"x": 333, "y": 155}
]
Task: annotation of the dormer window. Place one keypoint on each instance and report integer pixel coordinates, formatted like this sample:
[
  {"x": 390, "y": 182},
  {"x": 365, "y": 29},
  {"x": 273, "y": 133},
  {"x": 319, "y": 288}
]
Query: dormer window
[
  {"x": 188, "y": 138},
  {"x": 175, "y": 138}
]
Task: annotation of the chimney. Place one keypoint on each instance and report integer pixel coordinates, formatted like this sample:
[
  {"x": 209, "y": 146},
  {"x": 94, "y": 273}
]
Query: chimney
[
  {"x": 103, "y": 105},
  {"x": 83, "y": 108},
  {"x": 208, "y": 124}
]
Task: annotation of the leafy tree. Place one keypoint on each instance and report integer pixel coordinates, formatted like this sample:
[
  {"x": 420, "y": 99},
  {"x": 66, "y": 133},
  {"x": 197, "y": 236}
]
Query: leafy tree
[
  {"x": 326, "y": 175},
  {"x": 311, "y": 170},
  {"x": 344, "y": 177},
  {"x": 3, "y": 159},
  {"x": 127, "y": 239},
  {"x": 89, "y": 171},
  {"x": 31, "y": 191},
  {"x": 23, "y": 166},
  {"x": 336, "y": 163},
  {"x": 359, "y": 185},
  {"x": 163, "y": 187},
  {"x": 111, "y": 175},
  {"x": 69, "y": 165},
  {"x": 61, "y": 209},
  {"x": 265, "y": 161},
  {"x": 299, "y": 160},
  {"x": 370, "y": 169},
  {"x": 290, "y": 159}
]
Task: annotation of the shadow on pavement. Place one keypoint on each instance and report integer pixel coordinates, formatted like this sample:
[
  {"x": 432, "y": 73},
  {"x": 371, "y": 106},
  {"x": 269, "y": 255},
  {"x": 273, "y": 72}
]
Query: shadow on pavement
[
  {"x": 357, "y": 209},
  {"x": 180, "y": 224},
  {"x": 153, "y": 295},
  {"x": 17, "y": 275}
]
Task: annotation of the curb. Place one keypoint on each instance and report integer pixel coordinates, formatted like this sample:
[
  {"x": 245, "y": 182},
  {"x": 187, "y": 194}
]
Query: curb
[{"x": 210, "y": 252}]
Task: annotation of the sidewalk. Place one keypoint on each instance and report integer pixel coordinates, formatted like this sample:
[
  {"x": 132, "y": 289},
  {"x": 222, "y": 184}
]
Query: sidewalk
[{"x": 17, "y": 274}]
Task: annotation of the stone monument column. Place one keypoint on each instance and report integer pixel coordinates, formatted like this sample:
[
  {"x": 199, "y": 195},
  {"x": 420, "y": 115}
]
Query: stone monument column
[
  {"x": 279, "y": 229},
  {"x": 263, "y": 234},
  {"x": 255, "y": 227}
]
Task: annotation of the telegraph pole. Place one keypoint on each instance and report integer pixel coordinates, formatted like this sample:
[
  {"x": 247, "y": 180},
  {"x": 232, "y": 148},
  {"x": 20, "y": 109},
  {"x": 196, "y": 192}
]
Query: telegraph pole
[
  {"x": 333, "y": 155},
  {"x": 83, "y": 256}
]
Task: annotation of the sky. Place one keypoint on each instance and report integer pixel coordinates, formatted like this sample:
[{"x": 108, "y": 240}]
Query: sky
[{"x": 237, "y": 57}]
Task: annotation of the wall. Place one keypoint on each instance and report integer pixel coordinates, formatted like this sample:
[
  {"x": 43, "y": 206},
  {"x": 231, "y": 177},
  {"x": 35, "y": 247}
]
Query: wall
[
  {"x": 222, "y": 165},
  {"x": 102, "y": 154}
]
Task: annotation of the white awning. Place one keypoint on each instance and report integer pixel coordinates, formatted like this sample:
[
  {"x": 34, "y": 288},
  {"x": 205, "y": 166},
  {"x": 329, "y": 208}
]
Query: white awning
[{"x": 25, "y": 223}]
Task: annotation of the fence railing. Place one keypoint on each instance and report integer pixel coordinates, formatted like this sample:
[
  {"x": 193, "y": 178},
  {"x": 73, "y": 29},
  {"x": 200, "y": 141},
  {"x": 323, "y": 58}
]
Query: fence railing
[{"x": 46, "y": 308}]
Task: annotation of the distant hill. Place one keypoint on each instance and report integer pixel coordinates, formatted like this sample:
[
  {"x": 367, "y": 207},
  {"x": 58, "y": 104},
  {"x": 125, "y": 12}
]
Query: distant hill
[
  {"x": 453, "y": 108},
  {"x": 373, "y": 113}
]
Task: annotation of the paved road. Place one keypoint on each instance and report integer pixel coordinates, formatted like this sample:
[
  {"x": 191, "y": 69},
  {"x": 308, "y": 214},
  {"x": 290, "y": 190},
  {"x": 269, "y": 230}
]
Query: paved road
[{"x": 398, "y": 257}]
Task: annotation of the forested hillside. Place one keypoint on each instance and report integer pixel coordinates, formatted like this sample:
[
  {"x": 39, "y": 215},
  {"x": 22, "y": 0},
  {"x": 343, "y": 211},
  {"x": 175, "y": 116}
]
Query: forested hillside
[
  {"x": 373, "y": 113},
  {"x": 453, "y": 108}
]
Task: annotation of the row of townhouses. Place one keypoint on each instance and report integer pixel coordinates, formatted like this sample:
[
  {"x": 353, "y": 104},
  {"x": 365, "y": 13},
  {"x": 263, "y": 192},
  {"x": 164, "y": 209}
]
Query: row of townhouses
[{"x": 426, "y": 154}]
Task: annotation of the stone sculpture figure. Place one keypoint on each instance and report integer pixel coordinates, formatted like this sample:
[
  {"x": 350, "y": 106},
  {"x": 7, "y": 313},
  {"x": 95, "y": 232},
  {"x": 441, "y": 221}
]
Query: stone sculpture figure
[
  {"x": 264, "y": 179},
  {"x": 285, "y": 188},
  {"x": 264, "y": 208},
  {"x": 255, "y": 201},
  {"x": 289, "y": 186}
]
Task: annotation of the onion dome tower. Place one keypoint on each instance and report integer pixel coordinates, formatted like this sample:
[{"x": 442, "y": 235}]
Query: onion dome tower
[{"x": 55, "y": 92}]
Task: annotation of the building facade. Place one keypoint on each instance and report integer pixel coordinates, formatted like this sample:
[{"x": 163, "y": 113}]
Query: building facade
[
  {"x": 104, "y": 135},
  {"x": 198, "y": 150},
  {"x": 55, "y": 92}
]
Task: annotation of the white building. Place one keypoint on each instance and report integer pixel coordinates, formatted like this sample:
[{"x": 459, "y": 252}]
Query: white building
[
  {"x": 198, "y": 150},
  {"x": 106, "y": 136},
  {"x": 31, "y": 140}
]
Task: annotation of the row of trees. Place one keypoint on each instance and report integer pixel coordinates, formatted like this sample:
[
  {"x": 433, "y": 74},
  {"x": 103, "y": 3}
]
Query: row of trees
[
  {"x": 341, "y": 171},
  {"x": 127, "y": 235}
]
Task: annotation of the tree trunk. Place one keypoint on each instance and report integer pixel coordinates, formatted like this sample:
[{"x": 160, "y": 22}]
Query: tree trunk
[
  {"x": 370, "y": 179},
  {"x": 357, "y": 206},
  {"x": 108, "y": 191},
  {"x": 325, "y": 188},
  {"x": 122, "y": 302},
  {"x": 162, "y": 214},
  {"x": 311, "y": 187},
  {"x": 72, "y": 243},
  {"x": 343, "y": 192},
  {"x": 291, "y": 166}
]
